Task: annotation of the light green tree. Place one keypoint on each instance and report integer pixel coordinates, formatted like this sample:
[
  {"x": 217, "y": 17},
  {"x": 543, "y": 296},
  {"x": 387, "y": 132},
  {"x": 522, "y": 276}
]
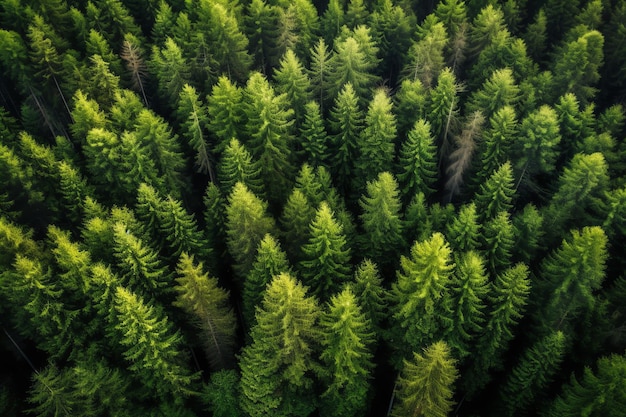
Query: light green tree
[{"x": 417, "y": 161}]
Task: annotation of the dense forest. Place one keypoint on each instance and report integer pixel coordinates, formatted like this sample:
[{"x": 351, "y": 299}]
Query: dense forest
[{"x": 312, "y": 208}]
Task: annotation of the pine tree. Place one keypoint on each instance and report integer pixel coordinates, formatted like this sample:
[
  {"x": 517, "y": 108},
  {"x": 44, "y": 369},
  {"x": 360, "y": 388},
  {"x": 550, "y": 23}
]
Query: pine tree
[
  {"x": 152, "y": 347},
  {"x": 418, "y": 161},
  {"x": 291, "y": 79},
  {"x": 276, "y": 366},
  {"x": 442, "y": 111},
  {"x": 350, "y": 64},
  {"x": 498, "y": 91},
  {"x": 246, "y": 224},
  {"x": 236, "y": 166},
  {"x": 269, "y": 128},
  {"x": 425, "y": 385},
  {"x": 376, "y": 148},
  {"x": 347, "y": 341},
  {"x": 171, "y": 70},
  {"x": 421, "y": 303},
  {"x": 193, "y": 116},
  {"x": 507, "y": 299},
  {"x": 426, "y": 56},
  {"x": 313, "y": 137},
  {"x": 498, "y": 239},
  {"x": 469, "y": 289},
  {"x": 569, "y": 277},
  {"x": 369, "y": 291},
  {"x": 496, "y": 193},
  {"x": 224, "y": 106},
  {"x": 533, "y": 373},
  {"x": 597, "y": 393},
  {"x": 463, "y": 232},
  {"x": 497, "y": 141},
  {"x": 485, "y": 27},
  {"x": 319, "y": 71},
  {"x": 528, "y": 225},
  {"x": 207, "y": 305},
  {"x": 410, "y": 105},
  {"x": 270, "y": 261},
  {"x": 86, "y": 115},
  {"x": 381, "y": 220},
  {"x": 346, "y": 124},
  {"x": 261, "y": 27},
  {"x": 326, "y": 263},
  {"x": 297, "y": 215}
]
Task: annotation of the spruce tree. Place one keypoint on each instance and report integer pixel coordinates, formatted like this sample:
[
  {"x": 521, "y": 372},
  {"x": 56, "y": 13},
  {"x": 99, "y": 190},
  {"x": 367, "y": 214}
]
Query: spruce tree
[
  {"x": 464, "y": 231},
  {"x": 426, "y": 56},
  {"x": 498, "y": 91},
  {"x": 347, "y": 341},
  {"x": 237, "y": 165},
  {"x": 350, "y": 64},
  {"x": 381, "y": 220},
  {"x": 496, "y": 193},
  {"x": 276, "y": 367},
  {"x": 417, "y": 168},
  {"x": 370, "y": 293},
  {"x": 497, "y": 141},
  {"x": 498, "y": 239},
  {"x": 246, "y": 224},
  {"x": 313, "y": 136},
  {"x": 420, "y": 296},
  {"x": 270, "y": 260},
  {"x": 410, "y": 105},
  {"x": 291, "y": 79},
  {"x": 426, "y": 383},
  {"x": 326, "y": 264},
  {"x": 533, "y": 372},
  {"x": 207, "y": 306},
  {"x": 193, "y": 116},
  {"x": 319, "y": 71},
  {"x": 297, "y": 215},
  {"x": 376, "y": 148},
  {"x": 224, "y": 106}
]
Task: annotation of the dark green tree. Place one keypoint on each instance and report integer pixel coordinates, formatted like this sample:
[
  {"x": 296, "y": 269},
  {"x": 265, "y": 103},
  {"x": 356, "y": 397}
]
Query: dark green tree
[
  {"x": 417, "y": 168},
  {"x": 381, "y": 220},
  {"x": 350, "y": 64},
  {"x": 171, "y": 70},
  {"x": 498, "y": 138},
  {"x": 224, "y": 106},
  {"x": 222, "y": 394},
  {"x": 426, "y": 56},
  {"x": 194, "y": 120},
  {"x": 236, "y": 166},
  {"x": 463, "y": 232},
  {"x": 498, "y": 91},
  {"x": 276, "y": 367},
  {"x": 326, "y": 264},
  {"x": 296, "y": 217},
  {"x": 347, "y": 340},
  {"x": 411, "y": 100},
  {"x": 496, "y": 193},
  {"x": 498, "y": 238},
  {"x": 369, "y": 291},
  {"x": 291, "y": 79},
  {"x": 319, "y": 71},
  {"x": 313, "y": 136},
  {"x": 270, "y": 261}
]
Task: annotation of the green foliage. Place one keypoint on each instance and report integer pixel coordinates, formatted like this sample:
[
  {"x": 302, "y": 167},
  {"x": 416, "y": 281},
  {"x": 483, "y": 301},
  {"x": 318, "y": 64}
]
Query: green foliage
[
  {"x": 533, "y": 372},
  {"x": 369, "y": 291},
  {"x": 171, "y": 69},
  {"x": 496, "y": 193},
  {"x": 192, "y": 113},
  {"x": 598, "y": 393},
  {"x": 498, "y": 239},
  {"x": 292, "y": 80},
  {"x": 207, "y": 305},
  {"x": 498, "y": 91},
  {"x": 420, "y": 296},
  {"x": 236, "y": 166},
  {"x": 351, "y": 64},
  {"x": 225, "y": 112},
  {"x": 326, "y": 263},
  {"x": 246, "y": 224},
  {"x": 426, "y": 56},
  {"x": 410, "y": 105},
  {"x": 346, "y": 354},
  {"x": 297, "y": 215},
  {"x": 276, "y": 366},
  {"x": 464, "y": 230},
  {"x": 270, "y": 261},
  {"x": 222, "y": 394},
  {"x": 426, "y": 383},
  {"x": 313, "y": 136},
  {"x": 381, "y": 220},
  {"x": 152, "y": 347}
]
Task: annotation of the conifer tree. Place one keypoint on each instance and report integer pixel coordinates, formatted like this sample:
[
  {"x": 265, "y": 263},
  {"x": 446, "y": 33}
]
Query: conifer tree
[
  {"x": 291, "y": 79},
  {"x": 313, "y": 136},
  {"x": 410, "y": 105},
  {"x": 236, "y": 166},
  {"x": 463, "y": 232},
  {"x": 261, "y": 26},
  {"x": 426, "y": 56},
  {"x": 381, "y": 220},
  {"x": 246, "y": 224},
  {"x": 270, "y": 261},
  {"x": 193, "y": 116},
  {"x": 426, "y": 383},
  {"x": 570, "y": 275},
  {"x": 86, "y": 115},
  {"x": 350, "y": 64},
  {"x": 74, "y": 190},
  {"x": 225, "y": 112},
  {"x": 369, "y": 292},
  {"x": 418, "y": 161},
  {"x": 133, "y": 56},
  {"x": 469, "y": 290},
  {"x": 297, "y": 215},
  {"x": 314, "y": 184},
  {"x": 533, "y": 373},
  {"x": 497, "y": 141},
  {"x": 51, "y": 393},
  {"x": 171, "y": 70},
  {"x": 498, "y": 91},
  {"x": 221, "y": 394},
  {"x": 598, "y": 393},
  {"x": 326, "y": 264},
  {"x": 346, "y": 124},
  {"x": 422, "y": 287},
  {"x": 496, "y": 193},
  {"x": 276, "y": 366},
  {"x": 376, "y": 148},
  {"x": 442, "y": 112},
  {"x": 214, "y": 224},
  {"x": 269, "y": 128},
  {"x": 347, "y": 341},
  {"x": 152, "y": 347},
  {"x": 207, "y": 305},
  {"x": 319, "y": 70},
  {"x": 498, "y": 239}
]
